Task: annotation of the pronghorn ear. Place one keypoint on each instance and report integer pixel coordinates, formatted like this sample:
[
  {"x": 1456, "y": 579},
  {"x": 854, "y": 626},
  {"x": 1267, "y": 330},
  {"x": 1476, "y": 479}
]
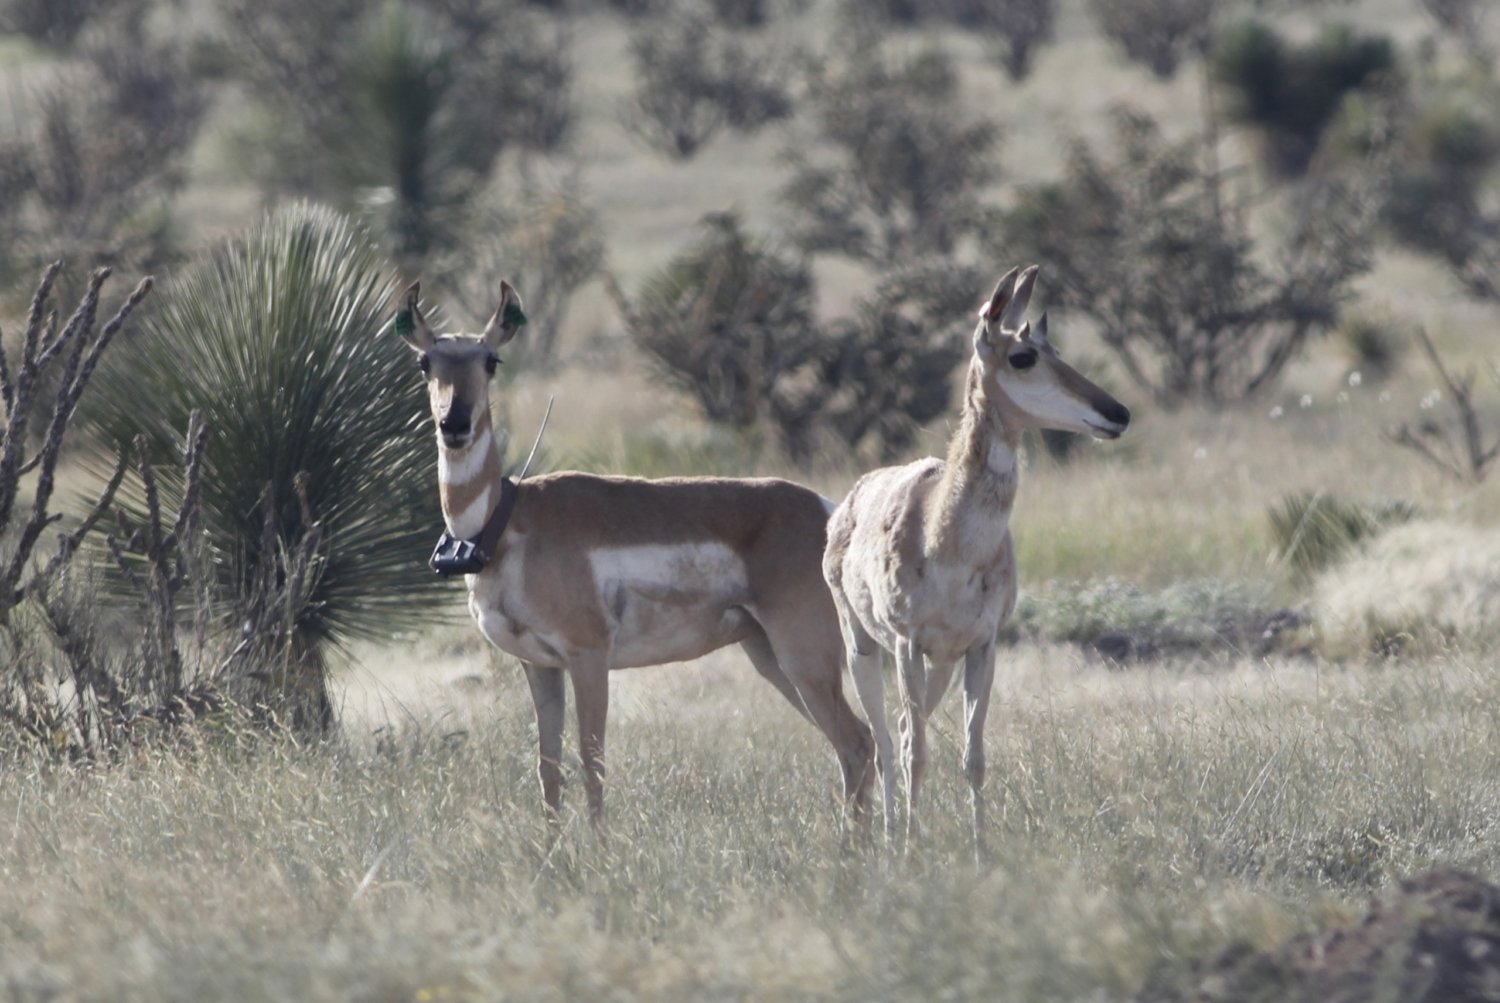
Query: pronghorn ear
[
  {"x": 1015, "y": 310},
  {"x": 410, "y": 324},
  {"x": 509, "y": 317},
  {"x": 1004, "y": 289}
]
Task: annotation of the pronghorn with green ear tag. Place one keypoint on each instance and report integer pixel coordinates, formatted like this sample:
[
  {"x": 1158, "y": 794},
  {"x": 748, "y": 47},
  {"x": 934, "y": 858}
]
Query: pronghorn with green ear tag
[
  {"x": 578, "y": 575},
  {"x": 920, "y": 557}
]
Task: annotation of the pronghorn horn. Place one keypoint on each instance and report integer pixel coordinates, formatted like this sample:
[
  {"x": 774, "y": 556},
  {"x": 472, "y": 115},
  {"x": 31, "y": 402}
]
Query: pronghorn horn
[
  {"x": 1015, "y": 310},
  {"x": 1039, "y": 333},
  {"x": 1001, "y": 296}
]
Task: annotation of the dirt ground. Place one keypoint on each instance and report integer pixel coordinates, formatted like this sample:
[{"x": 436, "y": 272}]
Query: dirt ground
[{"x": 1432, "y": 939}]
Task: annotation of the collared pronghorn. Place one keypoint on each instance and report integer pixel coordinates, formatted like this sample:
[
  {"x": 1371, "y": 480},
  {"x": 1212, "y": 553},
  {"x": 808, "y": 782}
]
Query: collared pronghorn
[
  {"x": 592, "y": 573},
  {"x": 919, "y": 556}
]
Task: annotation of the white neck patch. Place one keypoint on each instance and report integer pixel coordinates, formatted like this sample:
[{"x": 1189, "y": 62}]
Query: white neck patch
[
  {"x": 1002, "y": 459},
  {"x": 470, "y": 522}
]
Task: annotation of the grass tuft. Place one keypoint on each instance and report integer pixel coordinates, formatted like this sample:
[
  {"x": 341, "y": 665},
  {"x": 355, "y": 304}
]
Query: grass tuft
[{"x": 1426, "y": 585}]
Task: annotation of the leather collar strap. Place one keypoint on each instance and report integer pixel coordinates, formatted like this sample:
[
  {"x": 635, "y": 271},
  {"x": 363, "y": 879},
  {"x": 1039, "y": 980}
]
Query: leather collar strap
[{"x": 470, "y": 557}]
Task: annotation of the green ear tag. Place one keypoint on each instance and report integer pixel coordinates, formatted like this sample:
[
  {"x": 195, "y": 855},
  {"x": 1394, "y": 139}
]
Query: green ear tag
[
  {"x": 513, "y": 316},
  {"x": 404, "y": 324}
]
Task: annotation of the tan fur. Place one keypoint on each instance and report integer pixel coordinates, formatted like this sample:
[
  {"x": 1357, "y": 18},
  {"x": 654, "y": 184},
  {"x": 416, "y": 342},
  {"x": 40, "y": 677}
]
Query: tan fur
[
  {"x": 920, "y": 558},
  {"x": 597, "y": 573}
]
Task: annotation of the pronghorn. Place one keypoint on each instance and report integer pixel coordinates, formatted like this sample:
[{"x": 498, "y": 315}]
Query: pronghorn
[
  {"x": 594, "y": 573},
  {"x": 919, "y": 556}
]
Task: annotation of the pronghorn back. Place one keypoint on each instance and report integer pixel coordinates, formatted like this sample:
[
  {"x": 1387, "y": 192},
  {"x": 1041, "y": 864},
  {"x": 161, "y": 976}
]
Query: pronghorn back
[{"x": 660, "y": 570}]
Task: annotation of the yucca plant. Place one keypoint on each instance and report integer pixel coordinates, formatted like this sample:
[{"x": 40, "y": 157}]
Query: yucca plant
[
  {"x": 1289, "y": 93},
  {"x": 400, "y": 108},
  {"x": 1313, "y": 529},
  {"x": 276, "y": 339}
]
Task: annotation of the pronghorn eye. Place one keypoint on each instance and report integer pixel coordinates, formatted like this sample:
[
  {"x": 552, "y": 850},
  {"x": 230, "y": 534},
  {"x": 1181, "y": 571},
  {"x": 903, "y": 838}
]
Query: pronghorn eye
[
  {"x": 1023, "y": 360},
  {"x": 424, "y": 363},
  {"x": 490, "y": 362}
]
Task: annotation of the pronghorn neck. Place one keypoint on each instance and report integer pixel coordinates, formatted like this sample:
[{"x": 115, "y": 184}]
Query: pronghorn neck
[
  {"x": 981, "y": 474},
  {"x": 469, "y": 482}
]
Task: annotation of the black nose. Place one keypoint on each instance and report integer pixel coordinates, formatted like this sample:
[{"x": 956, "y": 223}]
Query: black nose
[
  {"x": 453, "y": 424},
  {"x": 1116, "y": 412}
]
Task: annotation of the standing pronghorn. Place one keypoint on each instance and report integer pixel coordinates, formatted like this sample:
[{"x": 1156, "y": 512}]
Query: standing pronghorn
[
  {"x": 919, "y": 556},
  {"x": 581, "y": 574}
]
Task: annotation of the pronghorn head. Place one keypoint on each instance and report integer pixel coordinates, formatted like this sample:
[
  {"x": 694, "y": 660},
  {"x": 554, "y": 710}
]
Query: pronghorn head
[
  {"x": 458, "y": 367},
  {"x": 1024, "y": 376}
]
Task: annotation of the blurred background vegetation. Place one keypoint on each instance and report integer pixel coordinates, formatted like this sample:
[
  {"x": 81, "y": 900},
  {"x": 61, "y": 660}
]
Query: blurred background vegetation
[{"x": 750, "y": 235}]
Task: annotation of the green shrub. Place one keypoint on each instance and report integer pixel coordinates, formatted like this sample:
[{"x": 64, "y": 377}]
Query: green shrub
[
  {"x": 905, "y": 171},
  {"x": 730, "y": 322},
  {"x": 887, "y": 369},
  {"x": 695, "y": 77},
  {"x": 1158, "y": 34},
  {"x": 91, "y": 162},
  {"x": 1149, "y": 241},
  {"x": 1371, "y": 344},
  {"x": 1124, "y": 621},
  {"x": 1443, "y": 145},
  {"x": 1012, "y": 29},
  {"x": 1290, "y": 94}
]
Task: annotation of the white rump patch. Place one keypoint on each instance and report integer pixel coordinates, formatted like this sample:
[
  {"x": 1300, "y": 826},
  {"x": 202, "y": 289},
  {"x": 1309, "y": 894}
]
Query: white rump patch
[{"x": 460, "y": 466}]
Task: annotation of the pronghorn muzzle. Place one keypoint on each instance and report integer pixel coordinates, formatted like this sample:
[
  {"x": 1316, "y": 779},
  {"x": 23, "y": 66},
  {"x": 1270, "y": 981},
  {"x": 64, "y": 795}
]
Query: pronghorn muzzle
[
  {"x": 1116, "y": 419},
  {"x": 456, "y": 427}
]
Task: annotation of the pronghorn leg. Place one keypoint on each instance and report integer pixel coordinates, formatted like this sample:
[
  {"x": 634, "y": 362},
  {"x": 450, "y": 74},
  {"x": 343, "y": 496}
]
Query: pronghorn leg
[
  {"x": 816, "y": 667},
  {"x": 911, "y": 674},
  {"x": 979, "y": 676},
  {"x": 864, "y": 666},
  {"x": 758, "y": 647},
  {"x": 550, "y": 698},
  {"x": 939, "y": 678},
  {"x": 590, "y": 674}
]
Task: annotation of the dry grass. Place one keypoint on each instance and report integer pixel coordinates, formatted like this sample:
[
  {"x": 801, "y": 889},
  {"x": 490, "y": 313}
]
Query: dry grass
[{"x": 1148, "y": 817}]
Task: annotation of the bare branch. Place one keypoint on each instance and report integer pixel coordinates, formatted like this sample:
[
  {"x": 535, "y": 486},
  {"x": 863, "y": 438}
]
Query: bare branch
[
  {"x": 197, "y": 438},
  {"x": 115, "y": 323},
  {"x": 78, "y": 358},
  {"x": 1404, "y": 436},
  {"x": 1463, "y": 438},
  {"x": 68, "y": 545},
  {"x": 123, "y": 562}
]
